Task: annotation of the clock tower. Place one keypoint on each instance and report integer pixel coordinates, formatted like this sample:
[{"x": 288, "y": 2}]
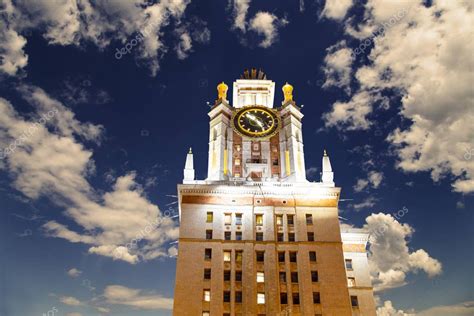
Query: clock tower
[
  {"x": 253, "y": 140},
  {"x": 256, "y": 237}
]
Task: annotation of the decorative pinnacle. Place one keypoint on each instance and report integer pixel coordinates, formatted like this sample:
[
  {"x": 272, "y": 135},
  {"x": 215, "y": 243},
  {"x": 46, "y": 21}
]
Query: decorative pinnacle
[
  {"x": 325, "y": 154},
  {"x": 190, "y": 150}
]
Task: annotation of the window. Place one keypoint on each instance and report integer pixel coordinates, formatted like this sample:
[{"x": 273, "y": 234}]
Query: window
[
  {"x": 279, "y": 220},
  {"x": 238, "y": 235},
  {"x": 349, "y": 264},
  {"x": 238, "y": 296},
  {"x": 316, "y": 298},
  {"x": 296, "y": 298},
  {"x": 294, "y": 277},
  {"x": 227, "y": 219},
  {"x": 227, "y": 254},
  {"x": 260, "y": 256},
  {"x": 280, "y": 237},
  {"x": 238, "y": 219},
  {"x": 237, "y": 175},
  {"x": 290, "y": 219},
  {"x": 309, "y": 219},
  {"x": 351, "y": 282},
  {"x": 354, "y": 301},
  {"x": 206, "y": 314},
  {"x": 226, "y": 275},
  {"x": 255, "y": 146},
  {"x": 227, "y": 235},
  {"x": 207, "y": 274},
  {"x": 208, "y": 254},
  {"x": 275, "y": 162},
  {"x": 260, "y": 277},
  {"x": 260, "y": 298},
  {"x": 238, "y": 256},
  {"x": 226, "y": 296},
  {"x": 283, "y": 298},
  {"x": 259, "y": 237},
  {"x": 292, "y": 256},
  {"x": 310, "y": 236},
  {"x": 283, "y": 277},
  {"x": 259, "y": 219},
  {"x": 209, "y": 217},
  {"x": 237, "y": 161},
  {"x": 209, "y": 234},
  {"x": 238, "y": 276},
  {"x": 312, "y": 256},
  {"x": 291, "y": 236},
  {"x": 281, "y": 256},
  {"x": 207, "y": 295},
  {"x": 314, "y": 276}
]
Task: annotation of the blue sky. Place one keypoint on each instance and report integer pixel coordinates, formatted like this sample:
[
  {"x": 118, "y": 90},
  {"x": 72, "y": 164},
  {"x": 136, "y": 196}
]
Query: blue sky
[{"x": 100, "y": 101}]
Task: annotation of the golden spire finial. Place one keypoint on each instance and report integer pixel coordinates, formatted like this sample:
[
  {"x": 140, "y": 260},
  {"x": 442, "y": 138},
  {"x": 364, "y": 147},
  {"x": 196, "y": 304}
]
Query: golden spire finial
[
  {"x": 325, "y": 154},
  {"x": 288, "y": 92},
  {"x": 222, "y": 91},
  {"x": 190, "y": 150}
]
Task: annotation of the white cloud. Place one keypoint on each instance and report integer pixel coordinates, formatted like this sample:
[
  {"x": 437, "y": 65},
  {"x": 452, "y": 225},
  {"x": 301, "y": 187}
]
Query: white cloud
[
  {"x": 97, "y": 22},
  {"x": 388, "y": 310},
  {"x": 241, "y": 8},
  {"x": 52, "y": 162},
  {"x": 336, "y": 9},
  {"x": 69, "y": 300},
  {"x": 390, "y": 258},
  {"x": 337, "y": 66},
  {"x": 367, "y": 203},
  {"x": 461, "y": 309},
  {"x": 419, "y": 56},
  {"x": 374, "y": 179},
  {"x": 353, "y": 114},
  {"x": 74, "y": 273},
  {"x": 267, "y": 24},
  {"x": 12, "y": 56},
  {"x": 121, "y": 295}
]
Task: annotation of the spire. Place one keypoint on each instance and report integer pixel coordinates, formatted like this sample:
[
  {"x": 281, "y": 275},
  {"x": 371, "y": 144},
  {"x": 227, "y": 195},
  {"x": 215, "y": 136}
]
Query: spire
[
  {"x": 189, "y": 167},
  {"x": 327, "y": 174}
]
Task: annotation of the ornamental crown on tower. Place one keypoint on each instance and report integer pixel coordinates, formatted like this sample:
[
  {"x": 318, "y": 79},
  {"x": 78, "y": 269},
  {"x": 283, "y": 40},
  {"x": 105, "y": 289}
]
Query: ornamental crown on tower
[{"x": 254, "y": 74}]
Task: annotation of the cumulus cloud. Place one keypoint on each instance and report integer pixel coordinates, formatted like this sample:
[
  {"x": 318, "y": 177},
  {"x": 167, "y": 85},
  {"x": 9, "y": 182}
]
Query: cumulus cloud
[
  {"x": 461, "y": 309},
  {"x": 69, "y": 300},
  {"x": 336, "y": 9},
  {"x": 367, "y": 203},
  {"x": 46, "y": 157},
  {"x": 121, "y": 295},
  {"x": 74, "y": 273},
  {"x": 421, "y": 51},
  {"x": 267, "y": 24},
  {"x": 374, "y": 179},
  {"x": 240, "y": 10},
  {"x": 263, "y": 23},
  {"x": 388, "y": 310},
  {"x": 390, "y": 258},
  {"x": 97, "y": 22},
  {"x": 337, "y": 66}
]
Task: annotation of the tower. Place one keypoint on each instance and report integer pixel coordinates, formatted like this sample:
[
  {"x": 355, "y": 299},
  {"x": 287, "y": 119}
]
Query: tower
[{"x": 256, "y": 237}]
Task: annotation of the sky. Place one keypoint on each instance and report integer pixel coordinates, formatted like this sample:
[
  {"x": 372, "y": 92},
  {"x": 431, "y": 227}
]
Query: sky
[{"x": 101, "y": 100}]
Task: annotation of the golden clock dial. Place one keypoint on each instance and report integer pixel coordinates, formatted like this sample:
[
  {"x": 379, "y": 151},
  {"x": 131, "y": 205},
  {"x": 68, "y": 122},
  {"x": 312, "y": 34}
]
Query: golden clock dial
[{"x": 256, "y": 121}]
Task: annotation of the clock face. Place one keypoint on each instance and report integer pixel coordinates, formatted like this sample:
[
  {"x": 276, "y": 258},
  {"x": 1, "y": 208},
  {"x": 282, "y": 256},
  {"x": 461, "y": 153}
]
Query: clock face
[{"x": 256, "y": 122}]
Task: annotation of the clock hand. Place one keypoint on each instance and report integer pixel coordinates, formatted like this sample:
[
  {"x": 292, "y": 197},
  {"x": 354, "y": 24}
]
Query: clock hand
[{"x": 255, "y": 119}]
